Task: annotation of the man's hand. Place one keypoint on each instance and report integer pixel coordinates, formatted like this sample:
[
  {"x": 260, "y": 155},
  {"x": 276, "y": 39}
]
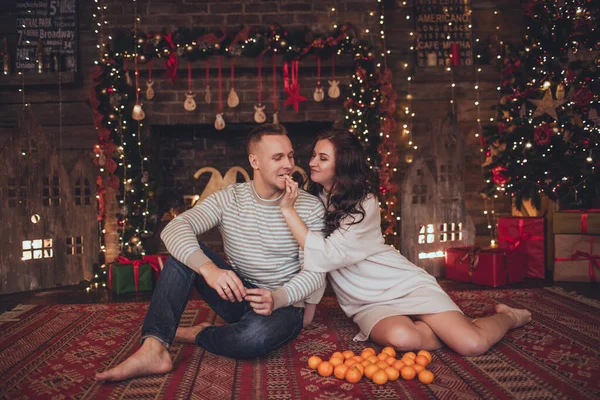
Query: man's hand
[
  {"x": 225, "y": 282},
  {"x": 261, "y": 300}
]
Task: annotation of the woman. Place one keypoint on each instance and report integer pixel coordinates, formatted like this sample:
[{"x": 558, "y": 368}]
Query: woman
[{"x": 394, "y": 302}]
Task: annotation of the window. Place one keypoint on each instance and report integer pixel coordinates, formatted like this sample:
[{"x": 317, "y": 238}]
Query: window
[
  {"x": 37, "y": 249},
  {"x": 82, "y": 192},
  {"x": 426, "y": 234},
  {"x": 17, "y": 193},
  {"x": 51, "y": 191},
  {"x": 445, "y": 173},
  {"x": 74, "y": 245},
  {"x": 419, "y": 194}
]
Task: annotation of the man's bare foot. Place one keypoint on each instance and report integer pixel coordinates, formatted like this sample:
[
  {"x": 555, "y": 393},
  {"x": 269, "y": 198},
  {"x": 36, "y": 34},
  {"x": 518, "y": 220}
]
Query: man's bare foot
[
  {"x": 519, "y": 316},
  {"x": 188, "y": 335},
  {"x": 151, "y": 359}
]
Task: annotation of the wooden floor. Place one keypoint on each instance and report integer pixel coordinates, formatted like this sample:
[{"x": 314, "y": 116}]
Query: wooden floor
[{"x": 78, "y": 294}]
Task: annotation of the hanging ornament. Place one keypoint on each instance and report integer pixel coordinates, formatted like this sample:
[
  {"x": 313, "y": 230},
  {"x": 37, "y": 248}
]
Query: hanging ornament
[
  {"x": 334, "y": 90},
  {"x": 546, "y": 105},
  {"x": 318, "y": 94},
  {"x": 292, "y": 88},
  {"x": 560, "y": 91},
  {"x": 207, "y": 94},
  {"x": 102, "y": 159},
  {"x": 259, "y": 109},
  {"x": 124, "y": 210},
  {"x": 232, "y": 100},
  {"x": 259, "y": 114},
  {"x": 138, "y": 113},
  {"x": 189, "y": 104},
  {"x": 145, "y": 178},
  {"x": 219, "y": 122},
  {"x": 150, "y": 83},
  {"x": 275, "y": 115}
]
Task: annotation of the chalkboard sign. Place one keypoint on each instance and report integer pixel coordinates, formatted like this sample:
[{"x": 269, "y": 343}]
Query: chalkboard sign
[
  {"x": 444, "y": 35},
  {"x": 47, "y": 32}
]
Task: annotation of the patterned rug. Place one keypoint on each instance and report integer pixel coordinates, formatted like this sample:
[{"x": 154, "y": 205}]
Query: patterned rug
[{"x": 52, "y": 352}]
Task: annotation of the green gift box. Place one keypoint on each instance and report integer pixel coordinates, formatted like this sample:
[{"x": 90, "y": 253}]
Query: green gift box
[
  {"x": 586, "y": 222},
  {"x": 129, "y": 276}
]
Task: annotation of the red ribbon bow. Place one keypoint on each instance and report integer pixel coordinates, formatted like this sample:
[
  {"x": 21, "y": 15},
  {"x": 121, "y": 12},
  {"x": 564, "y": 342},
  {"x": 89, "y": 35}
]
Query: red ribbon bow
[
  {"x": 136, "y": 270},
  {"x": 594, "y": 259},
  {"x": 172, "y": 61},
  {"x": 292, "y": 89},
  {"x": 584, "y": 218},
  {"x": 516, "y": 242}
]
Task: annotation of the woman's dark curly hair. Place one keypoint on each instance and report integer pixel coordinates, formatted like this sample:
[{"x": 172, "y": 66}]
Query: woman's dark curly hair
[{"x": 352, "y": 182}]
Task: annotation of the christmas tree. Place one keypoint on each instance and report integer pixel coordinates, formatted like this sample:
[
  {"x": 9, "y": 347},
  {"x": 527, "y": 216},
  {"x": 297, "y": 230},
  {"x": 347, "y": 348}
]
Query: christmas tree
[{"x": 546, "y": 137}]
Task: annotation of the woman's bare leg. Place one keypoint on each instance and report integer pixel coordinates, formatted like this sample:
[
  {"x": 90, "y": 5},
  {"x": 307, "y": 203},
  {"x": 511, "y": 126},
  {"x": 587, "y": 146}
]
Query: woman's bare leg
[
  {"x": 474, "y": 337},
  {"x": 404, "y": 334}
]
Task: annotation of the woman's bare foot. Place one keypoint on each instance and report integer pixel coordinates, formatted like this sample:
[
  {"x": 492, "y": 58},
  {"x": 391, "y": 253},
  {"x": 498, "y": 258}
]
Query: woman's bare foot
[
  {"x": 188, "y": 335},
  {"x": 151, "y": 359},
  {"x": 519, "y": 316}
]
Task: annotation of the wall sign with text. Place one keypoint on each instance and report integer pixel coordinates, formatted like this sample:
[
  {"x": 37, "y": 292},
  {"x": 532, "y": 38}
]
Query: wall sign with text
[
  {"x": 47, "y": 36},
  {"x": 444, "y": 35}
]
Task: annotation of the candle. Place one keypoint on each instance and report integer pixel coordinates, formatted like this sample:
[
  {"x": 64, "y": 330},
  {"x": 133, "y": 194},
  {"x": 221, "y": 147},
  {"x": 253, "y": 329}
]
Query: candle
[{"x": 455, "y": 53}]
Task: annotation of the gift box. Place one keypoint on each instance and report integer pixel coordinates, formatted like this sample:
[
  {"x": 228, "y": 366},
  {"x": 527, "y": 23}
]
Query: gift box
[
  {"x": 525, "y": 236},
  {"x": 156, "y": 261},
  {"x": 577, "y": 258},
  {"x": 586, "y": 222},
  {"x": 490, "y": 267},
  {"x": 129, "y": 276}
]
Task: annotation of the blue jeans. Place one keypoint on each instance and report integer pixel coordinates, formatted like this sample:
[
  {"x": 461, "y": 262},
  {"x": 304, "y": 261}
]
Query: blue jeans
[{"x": 246, "y": 335}]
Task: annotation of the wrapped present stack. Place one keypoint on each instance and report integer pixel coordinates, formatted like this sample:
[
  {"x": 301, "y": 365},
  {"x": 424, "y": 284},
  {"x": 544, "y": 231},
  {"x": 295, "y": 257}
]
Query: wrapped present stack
[
  {"x": 489, "y": 267},
  {"x": 577, "y": 245}
]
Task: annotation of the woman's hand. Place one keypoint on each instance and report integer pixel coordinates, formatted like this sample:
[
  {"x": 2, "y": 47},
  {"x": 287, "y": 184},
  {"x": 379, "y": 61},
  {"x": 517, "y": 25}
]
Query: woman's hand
[{"x": 291, "y": 194}]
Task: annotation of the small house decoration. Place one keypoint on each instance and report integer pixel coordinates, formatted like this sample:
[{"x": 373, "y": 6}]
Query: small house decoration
[
  {"x": 433, "y": 205},
  {"x": 48, "y": 215}
]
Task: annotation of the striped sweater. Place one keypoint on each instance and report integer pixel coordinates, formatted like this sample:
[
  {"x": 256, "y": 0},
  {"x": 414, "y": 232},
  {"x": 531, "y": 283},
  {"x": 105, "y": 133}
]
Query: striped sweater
[{"x": 257, "y": 241}]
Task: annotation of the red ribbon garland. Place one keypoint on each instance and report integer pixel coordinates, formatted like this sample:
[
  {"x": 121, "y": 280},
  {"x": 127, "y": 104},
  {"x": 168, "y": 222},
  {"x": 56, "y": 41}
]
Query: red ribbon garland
[
  {"x": 259, "y": 61},
  {"x": 136, "y": 270},
  {"x": 292, "y": 89},
  {"x": 516, "y": 242},
  {"x": 594, "y": 259},
  {"x": 274, "y": 83},
  {"x": 171, "y": 61},
  {"x": 220, "y": 59},
  {"x": 189, "y": 77}
]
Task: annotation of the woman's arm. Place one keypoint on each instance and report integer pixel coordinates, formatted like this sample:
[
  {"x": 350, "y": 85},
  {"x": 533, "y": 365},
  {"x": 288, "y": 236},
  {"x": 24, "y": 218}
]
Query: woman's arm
[{"x": 296, "y": 225}]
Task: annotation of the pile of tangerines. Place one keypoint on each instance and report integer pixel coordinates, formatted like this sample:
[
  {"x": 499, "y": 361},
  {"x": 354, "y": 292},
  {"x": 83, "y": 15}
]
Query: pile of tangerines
[{"x": 380, "y": 368}]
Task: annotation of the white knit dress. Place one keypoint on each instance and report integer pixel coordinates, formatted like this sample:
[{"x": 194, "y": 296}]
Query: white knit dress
[{"x": 372, "y": 280}]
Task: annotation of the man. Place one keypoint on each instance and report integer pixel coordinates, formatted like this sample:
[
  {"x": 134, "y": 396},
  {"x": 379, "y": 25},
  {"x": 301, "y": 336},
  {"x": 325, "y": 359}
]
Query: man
[{"x": 260, "y": 294}]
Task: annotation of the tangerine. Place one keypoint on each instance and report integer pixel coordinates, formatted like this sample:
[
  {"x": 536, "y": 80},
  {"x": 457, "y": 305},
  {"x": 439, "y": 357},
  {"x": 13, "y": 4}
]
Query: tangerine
[
  {"x": 382, "y": 365},
  {"x": 426, "y": 354},
  {"x": 373, "y": 359},
  {"x": 383, "y": 356},
  {"x": 380, "y": 377},
  {"x": 418, "y": 368},
  {"x": 370, "y": 370},
  {"x": 335, "y": 361},
  {"x": 314, "y": 362},
  {"x": 410, "y": 354},
  {"x": 392, "y": 373},
  {"x": 340, "y": 371},
  {"x": 325, "y": 368},
  {"x": 350, "y": 362},
  {"x": 354, "y": 374},
  {"x": 369, "y": 351},
  {"x": 426, "y": 377},
  {"x": 360, "y": 367},
  {"x": 390, "y": 361},
  {"x": 423, "y": 360},
  {"x": 348, "y": 354},
  {"x": 408, "y": 373},
  {"x": 358, "y": 358},
  {"x": 337, "y": 354},
  {"x": 389, "y": 351},
  {"x": 365, "y": 363},
  {"x": 408, "y": 361},
  {"x": 398, "y": 365}
]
